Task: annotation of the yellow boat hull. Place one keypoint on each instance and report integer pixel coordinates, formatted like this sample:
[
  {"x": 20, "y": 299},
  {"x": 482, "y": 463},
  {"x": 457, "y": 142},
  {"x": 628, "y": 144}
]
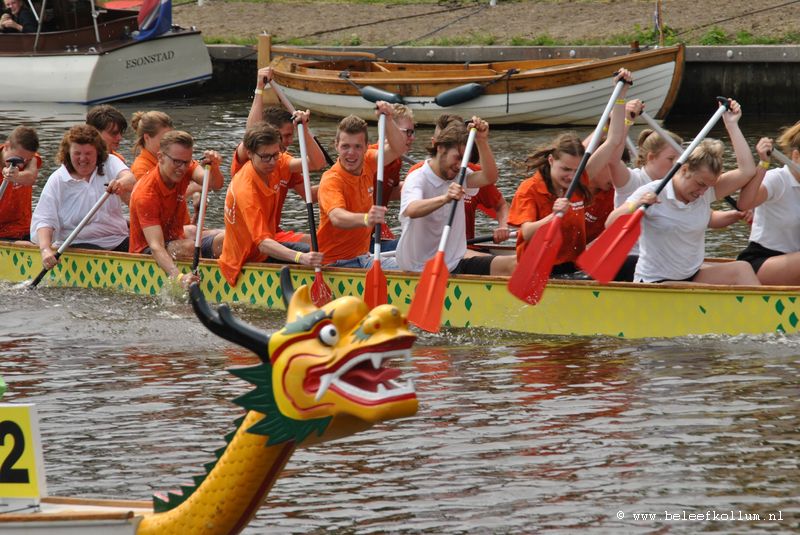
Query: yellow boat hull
[{"x": 568, "y": 307}]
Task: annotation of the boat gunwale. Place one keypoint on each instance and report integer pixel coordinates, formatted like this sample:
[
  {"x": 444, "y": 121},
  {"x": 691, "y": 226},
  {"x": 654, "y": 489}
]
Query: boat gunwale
[
  {"x": 672, "y": 286},
  {"x": 282, "y": 66}
]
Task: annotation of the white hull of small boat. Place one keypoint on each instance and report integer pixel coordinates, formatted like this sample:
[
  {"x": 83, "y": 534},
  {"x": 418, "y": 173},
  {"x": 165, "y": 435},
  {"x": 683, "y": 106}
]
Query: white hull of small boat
[
  {"x": 74, "y": 516},
  {"x": 87, "y": 77},
  {"x": 579, "y": 104}
]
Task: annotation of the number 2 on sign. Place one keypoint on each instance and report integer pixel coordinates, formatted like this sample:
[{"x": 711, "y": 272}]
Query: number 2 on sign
[{"x": 9, "y": 474}]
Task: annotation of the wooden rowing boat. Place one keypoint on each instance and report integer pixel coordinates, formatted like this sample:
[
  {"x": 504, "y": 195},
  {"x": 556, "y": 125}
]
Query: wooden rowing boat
[
  {"x": 568, "y": 307},
  {"x": 553, "y": 91}
]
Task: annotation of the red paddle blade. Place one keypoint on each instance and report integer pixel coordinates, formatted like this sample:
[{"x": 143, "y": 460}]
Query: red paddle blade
[
  {"x": 375, "y": 292},
  {"x": 321, "y": 294},
  {"x": 426, "y": 307},
  {"x": 608, "y": 252},
  {"x": 533, "y": 269}
]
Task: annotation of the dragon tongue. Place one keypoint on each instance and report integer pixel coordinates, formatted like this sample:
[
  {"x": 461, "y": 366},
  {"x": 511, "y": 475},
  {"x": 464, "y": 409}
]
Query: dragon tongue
[{"x": 368, "y": 379}]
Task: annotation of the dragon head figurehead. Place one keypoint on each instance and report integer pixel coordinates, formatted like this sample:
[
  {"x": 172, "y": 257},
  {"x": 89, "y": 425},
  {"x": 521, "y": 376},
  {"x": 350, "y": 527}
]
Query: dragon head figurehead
[{"x": 327, "y": 372}]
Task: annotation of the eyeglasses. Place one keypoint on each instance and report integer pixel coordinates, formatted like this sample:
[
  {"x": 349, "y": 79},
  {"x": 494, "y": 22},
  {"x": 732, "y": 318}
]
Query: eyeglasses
[
  {"x": 176, "y": 162},
  {"x": 266, "y": 158},
  {"x": 408, "y": 131}
]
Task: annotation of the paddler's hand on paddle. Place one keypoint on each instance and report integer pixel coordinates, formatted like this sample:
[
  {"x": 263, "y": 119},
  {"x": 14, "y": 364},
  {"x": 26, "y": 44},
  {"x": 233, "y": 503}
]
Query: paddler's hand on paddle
[
  {"x": 647, "y": 198},
  {"x": 383, "y": 107},
  {"x": 561, "y": 205},
  {"x": 114, "y": 187},
  {"x": 734, "y": 113},
  {"x": 300, "y": 116},
  {"x": 184, "y": 279},
  {"x": 764, "y": 149},
  {"x": 313, "y": 259},
  {"x": 500, "y": 234},
  {"x": 454, "y": 193},
  {"x": 633, "y": 109},
  {"x": 376, "y": 215},
  {"x": 481, "y": 126},
  {"x": 49, "y": 258},
  {"x": 263, "y": 77},
  {"x": 212, "y": 158},
  {"x": 623, "y": 74}
]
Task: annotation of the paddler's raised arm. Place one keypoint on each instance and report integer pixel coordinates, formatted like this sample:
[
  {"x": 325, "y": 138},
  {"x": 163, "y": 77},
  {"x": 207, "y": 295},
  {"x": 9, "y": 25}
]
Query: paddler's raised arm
[{"x": 395, "y": 138}]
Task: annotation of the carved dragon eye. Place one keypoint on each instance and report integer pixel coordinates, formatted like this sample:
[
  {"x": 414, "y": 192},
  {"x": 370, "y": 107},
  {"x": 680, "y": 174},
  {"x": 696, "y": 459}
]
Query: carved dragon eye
[{"x": 328, "y": 335}]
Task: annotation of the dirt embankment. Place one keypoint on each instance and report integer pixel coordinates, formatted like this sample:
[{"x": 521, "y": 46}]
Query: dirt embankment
[{"x": 459, "y": 23}]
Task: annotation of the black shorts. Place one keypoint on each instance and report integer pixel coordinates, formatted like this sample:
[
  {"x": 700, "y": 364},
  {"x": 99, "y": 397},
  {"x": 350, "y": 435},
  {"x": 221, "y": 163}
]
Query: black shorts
[
  {"x": 755, "y": 255},
  {"x": 122, "y": 247},
  {"x": 687, "y": 279},
  {"x": 474, "y": 265}
]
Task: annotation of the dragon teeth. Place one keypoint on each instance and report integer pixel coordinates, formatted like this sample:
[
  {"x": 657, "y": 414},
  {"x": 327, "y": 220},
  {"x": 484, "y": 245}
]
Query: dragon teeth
[{"x": 324, "y": 384}]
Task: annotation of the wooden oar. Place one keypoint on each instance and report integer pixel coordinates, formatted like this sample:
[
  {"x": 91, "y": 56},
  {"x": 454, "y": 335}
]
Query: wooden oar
[
  {"x": 375, "y": 291},
  {"x": 74, "y": 234},
  {"x": 320, "y": 292},
  {"x": 483, "y": 238},
  {"x": 288, "y": 105},
  {"x": 604, "y": 259},
  {"x": 201, "y": 216},
  {"x": 533, "y": 269},
  {"x": 426, "y": 307},
  {"x": 781, "y": 157}
]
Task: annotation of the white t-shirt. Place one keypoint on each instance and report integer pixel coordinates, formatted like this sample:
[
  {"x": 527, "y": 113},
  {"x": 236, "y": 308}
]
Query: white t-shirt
[
  {"x": 65, "y": 201},
  {"x": 776, "y": 223},
  {"x": 637, "y": 179},
  {"x": 420, "y": 236},
  {"x": 673, "y": 241}
]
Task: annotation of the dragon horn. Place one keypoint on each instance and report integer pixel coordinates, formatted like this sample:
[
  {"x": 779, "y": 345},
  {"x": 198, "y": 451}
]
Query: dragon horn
[{"x": 223, "y": 323}]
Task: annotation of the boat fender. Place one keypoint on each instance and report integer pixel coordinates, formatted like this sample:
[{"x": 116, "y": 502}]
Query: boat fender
[
  {"x": 459, "y": 95},
  {"x": 373, "y": 94}
]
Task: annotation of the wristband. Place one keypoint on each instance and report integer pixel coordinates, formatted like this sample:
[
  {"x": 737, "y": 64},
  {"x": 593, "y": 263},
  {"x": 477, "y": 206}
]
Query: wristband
[
  {"x": 605, "y": 129},
  {"x": 259, "y": 91},
  {"x": 178, "y": 277},
  {"x": 764, "y": 164},
  {"x": 628, "y": 122},
  {"x": 632, "y": 208},
  {"x": 366, "y": 219},
  {"x": 297, "y": 257},
  {"x": 621, "y": 101}
]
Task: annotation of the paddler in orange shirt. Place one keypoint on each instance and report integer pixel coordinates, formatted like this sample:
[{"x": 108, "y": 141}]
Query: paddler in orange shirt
[
  {"x": 20, "y": 165},
  {"x": 253, "y": 202},
  {"x": 284, "y": 122},
  {"x": 346, "y": 193}
]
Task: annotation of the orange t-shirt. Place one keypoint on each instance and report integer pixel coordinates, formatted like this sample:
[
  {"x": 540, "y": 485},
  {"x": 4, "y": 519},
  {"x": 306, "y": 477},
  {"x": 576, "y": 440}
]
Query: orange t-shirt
[
  {"x": 153, "y": 203},
  {"x": 145, "y": 161},
  {"x": 340, "y": 189},
  {"x": 597, "y": 212},
  {"x": 15, "y": 206},
  {"x": 250, "y": 210},
  {"x": 533, "y": 202},
  {"x": 289, "y": 180}
]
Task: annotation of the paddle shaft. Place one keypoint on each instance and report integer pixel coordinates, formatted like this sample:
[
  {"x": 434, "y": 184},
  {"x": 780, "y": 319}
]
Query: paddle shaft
[
  {"x": 487, "y": 237},
  {"x": 379, "y": 188},
  {"x": 201, "y": 216},
  {"x": 781, "y": 157},
  {"x": 598, "y": 134},
  {"x": 74, "y": 234},
  {"x": 661, "y": 132},
  {"x": 3, "y": 188},
  {"x": 288, "y": 105},
  {"x": 462, "y": 175},
  {"x": 693, "y": 145},
  {"x": 312, "y": 224}
]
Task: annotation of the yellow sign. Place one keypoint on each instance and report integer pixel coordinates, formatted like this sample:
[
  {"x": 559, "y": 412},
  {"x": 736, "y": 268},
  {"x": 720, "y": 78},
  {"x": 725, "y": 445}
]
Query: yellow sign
[{"x": 21, "y": 460}]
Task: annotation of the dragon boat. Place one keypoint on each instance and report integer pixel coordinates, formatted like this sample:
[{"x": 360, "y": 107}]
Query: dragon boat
[
  {"x": 326, "y": 375},
  {"x": 569, "y": 307},
  {"x": 546, "y": 92}
]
